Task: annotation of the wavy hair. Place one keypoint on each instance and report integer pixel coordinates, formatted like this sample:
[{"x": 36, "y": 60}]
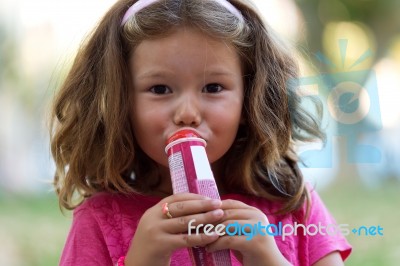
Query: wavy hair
[{"x": 92, "y": 141}]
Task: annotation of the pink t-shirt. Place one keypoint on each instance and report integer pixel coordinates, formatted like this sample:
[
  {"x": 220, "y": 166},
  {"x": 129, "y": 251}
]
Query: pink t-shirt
[{"x": 103, "y": 227}]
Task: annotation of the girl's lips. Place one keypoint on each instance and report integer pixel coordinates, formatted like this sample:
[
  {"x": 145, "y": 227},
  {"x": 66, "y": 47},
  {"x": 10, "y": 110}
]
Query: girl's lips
[{"x": 184, "y": 132}]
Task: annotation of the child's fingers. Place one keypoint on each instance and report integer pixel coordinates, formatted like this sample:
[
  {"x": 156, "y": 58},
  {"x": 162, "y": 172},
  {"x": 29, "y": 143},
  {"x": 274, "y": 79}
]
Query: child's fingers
[
  {"x": 240, "y": 214},
  {"x": 190, "y": 222},
  {"x": 193, "y": 240},
  {"x": 226, "y": 242},
  {"x": 251, "y": 249},
  {"x": 183, "y": 208},
  {"x": 235, "y": 204},
  {"x": 237, "y": 210},
  {"x": 182, "y": 197},
  {"x": 250, "y": 215},
  {"x": 245, "y": 243}
]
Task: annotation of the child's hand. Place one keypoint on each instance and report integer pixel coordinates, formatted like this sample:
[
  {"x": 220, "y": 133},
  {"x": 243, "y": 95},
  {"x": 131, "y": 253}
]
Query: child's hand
[
  {"x": 157, "y": 236},
  {"x": 256, "y": 250}
]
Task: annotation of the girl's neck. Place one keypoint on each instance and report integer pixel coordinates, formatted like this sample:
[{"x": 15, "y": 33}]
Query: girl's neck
[{"x": 164, "y": 189}]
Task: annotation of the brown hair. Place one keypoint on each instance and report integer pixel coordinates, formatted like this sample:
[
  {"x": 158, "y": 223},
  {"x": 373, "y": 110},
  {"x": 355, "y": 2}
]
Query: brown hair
[{"x": 92, "y": 141}]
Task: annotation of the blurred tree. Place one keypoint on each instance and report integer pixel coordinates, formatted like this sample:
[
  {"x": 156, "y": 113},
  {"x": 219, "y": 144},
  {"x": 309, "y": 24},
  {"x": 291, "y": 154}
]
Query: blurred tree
[
  {"x": 380, "y": 21},
  {"x": 7, "y": 55},
  {"x": 381, "y": 16}
]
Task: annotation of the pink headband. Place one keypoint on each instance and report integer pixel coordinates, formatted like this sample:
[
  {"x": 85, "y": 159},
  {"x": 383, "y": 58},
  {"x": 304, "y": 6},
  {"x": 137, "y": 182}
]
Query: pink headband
[{"x": 140, "y": 4}]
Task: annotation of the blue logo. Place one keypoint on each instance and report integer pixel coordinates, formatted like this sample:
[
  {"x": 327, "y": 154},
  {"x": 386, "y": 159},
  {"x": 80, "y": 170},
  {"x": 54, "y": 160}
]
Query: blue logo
[{"x": 351, "y": 110}]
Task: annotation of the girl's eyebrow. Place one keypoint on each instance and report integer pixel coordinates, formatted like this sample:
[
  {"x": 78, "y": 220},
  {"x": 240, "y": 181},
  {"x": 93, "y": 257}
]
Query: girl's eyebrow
[
  {"x": 154, "y": 74},
  {"x": 219, "y": 70},
  {"x": 219, "y": 73},
  {"x": 166, "y": 73}
]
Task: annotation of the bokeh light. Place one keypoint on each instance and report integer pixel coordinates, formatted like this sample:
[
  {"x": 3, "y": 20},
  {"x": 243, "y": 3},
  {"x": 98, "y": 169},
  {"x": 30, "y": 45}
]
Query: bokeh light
[{"x": 359, "y": 40}]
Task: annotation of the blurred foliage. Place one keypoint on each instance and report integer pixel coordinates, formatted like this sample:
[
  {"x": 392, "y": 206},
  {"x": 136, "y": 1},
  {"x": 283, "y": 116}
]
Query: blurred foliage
[
  {"x": 380, "y": 16},
  {"x": 32, "y": 230},
  {"x": 370, "y": 27},
  {"x": 12, "y": 79},
  {"x": 353, "y": 204}
]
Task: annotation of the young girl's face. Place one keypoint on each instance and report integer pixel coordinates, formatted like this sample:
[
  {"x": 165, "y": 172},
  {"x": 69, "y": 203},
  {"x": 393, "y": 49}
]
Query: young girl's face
[{"x": 185, "y": 79}]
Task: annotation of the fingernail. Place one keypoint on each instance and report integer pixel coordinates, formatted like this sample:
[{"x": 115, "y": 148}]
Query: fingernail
[
  {"x": 216, "y": 203},
  {"x": 214, "y": 234},
  {"x": 218, "y": 212}
]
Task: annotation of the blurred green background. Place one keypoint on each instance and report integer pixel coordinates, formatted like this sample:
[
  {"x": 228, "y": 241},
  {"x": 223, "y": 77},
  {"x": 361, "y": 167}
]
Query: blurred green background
[{"x": 38, "y": 40}]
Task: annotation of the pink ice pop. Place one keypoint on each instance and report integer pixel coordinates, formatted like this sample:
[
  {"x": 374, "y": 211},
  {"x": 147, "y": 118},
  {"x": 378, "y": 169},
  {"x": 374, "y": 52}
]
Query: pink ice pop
[{"x": 191, "y": 172}]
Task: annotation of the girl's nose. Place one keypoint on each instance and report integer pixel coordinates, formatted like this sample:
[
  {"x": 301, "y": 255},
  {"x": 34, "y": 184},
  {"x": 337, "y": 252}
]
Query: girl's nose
[{"x": 187, "y": 112}]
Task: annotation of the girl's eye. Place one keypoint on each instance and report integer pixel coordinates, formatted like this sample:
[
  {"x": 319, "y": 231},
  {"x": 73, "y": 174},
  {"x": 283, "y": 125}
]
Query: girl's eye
[
  {"x": 160, "y": 89},
  {"x": 212, "y": 88}
]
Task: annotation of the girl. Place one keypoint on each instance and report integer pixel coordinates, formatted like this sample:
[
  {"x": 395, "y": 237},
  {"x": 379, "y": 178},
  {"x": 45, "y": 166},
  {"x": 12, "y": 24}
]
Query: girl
[{"x": 150, "y": 68}]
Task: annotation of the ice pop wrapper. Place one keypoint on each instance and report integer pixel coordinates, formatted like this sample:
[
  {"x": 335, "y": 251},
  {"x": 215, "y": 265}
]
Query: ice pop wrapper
[{"x": 191, "y": 172}]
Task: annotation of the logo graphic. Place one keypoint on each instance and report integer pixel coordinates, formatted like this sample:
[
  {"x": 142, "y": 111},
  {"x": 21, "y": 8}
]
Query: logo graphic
[
  {"x": 351, "y": 110},
  {"x": 280, "y": 229}
]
